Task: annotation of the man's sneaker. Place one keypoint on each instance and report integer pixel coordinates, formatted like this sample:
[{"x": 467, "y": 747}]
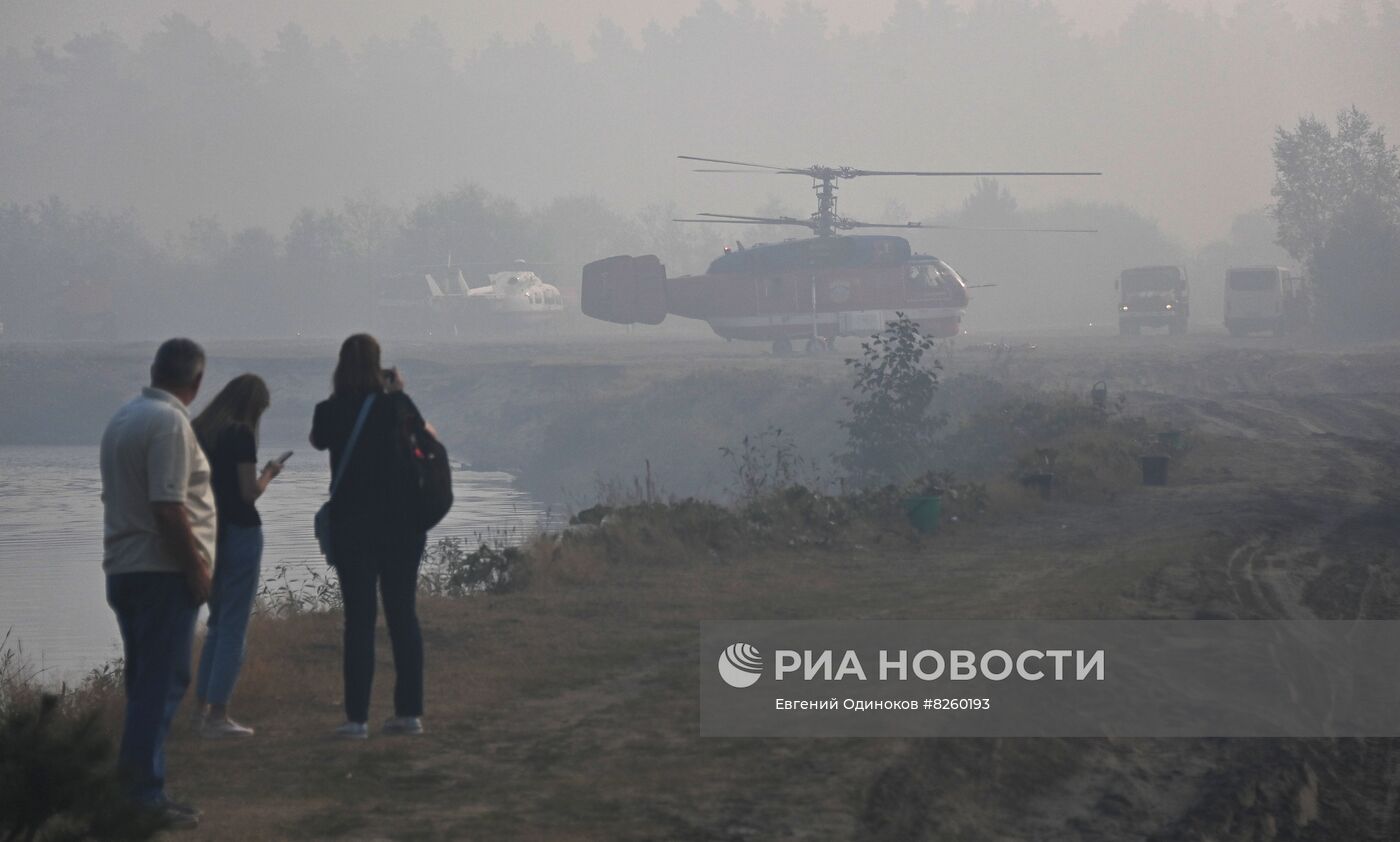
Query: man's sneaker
[
  {"x": 353, "y": 731},
  {"x": 218, "y": 729},
  {"x": 407, "y": 725}
]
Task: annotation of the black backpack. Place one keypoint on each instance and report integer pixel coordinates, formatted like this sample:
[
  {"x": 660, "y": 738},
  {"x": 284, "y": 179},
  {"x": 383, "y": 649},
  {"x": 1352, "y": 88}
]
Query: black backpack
[{"x": 426, "y": 474}]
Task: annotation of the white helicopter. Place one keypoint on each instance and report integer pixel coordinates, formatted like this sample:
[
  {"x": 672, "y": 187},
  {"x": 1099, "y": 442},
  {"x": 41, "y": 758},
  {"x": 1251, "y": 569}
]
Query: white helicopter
[
  {"x": 517, "y": 292},
  {"x": 439, "y": 299}
]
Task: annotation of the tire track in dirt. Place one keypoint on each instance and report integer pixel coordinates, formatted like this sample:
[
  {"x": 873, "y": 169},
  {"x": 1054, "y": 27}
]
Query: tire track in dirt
[{"x": 1294, "y": 518}]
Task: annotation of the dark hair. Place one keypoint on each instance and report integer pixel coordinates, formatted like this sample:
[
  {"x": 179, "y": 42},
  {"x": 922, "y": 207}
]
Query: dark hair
[
  {"x": 178, "y": 363},
  {"x": 358, "y": 373},
  {"x": 240, "y": 403}
]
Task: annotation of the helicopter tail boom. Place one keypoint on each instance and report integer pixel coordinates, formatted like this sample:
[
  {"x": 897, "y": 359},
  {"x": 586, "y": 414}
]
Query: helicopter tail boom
[{"x": 625, "y": 290}]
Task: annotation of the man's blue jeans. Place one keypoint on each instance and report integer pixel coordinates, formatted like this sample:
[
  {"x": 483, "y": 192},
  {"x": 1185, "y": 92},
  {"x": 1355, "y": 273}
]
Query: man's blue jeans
[
  {"x": 156, "y": 616},
  {"x": 236, "y": 577}
]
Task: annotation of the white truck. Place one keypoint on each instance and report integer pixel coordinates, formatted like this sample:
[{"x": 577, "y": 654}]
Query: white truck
[{"x": 1264, "y": 298}]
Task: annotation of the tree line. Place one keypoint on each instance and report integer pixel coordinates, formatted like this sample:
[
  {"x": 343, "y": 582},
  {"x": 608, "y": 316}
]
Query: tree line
[
  {"x": 1338, "y": 213},
  {"x": 70, "y": 273},
  {"x": 86, "y": 273}
]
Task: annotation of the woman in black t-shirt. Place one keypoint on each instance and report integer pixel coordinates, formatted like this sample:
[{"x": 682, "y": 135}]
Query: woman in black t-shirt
[
  {"x": 228, "y": 432},
  {"x": 375, "y": 544}
]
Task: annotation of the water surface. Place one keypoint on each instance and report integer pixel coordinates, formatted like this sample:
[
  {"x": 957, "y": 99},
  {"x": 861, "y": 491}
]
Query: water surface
[{"x": 52, "y": 597}]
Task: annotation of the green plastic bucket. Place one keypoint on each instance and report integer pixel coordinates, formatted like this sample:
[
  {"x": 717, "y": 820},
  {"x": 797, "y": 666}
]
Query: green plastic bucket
[{"x": 923, "y": 512}]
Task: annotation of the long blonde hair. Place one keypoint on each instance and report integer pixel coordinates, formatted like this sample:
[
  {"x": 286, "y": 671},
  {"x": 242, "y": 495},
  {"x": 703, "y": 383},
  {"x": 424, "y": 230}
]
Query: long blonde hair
[{"x": 241, "y": 402}]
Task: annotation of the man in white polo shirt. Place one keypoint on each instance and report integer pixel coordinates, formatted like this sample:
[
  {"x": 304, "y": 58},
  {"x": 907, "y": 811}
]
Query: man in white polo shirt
[{"x": 158, "y": 551}]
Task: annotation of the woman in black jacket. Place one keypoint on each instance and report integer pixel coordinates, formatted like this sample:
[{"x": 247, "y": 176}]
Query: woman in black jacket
[{"x": 373, "y": 539}]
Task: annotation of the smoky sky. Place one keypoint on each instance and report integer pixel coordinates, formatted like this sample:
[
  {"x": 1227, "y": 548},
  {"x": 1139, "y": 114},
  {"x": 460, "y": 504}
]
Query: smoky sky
[
  {"x": 472, "y": 24},
  {"x": 1177, "y": 102}
]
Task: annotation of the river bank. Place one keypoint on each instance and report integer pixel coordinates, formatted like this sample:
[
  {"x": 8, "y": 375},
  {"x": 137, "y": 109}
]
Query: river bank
[{"x": 571, "y": 417}]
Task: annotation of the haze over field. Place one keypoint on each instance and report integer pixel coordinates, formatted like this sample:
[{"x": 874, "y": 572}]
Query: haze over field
[
  {"x": 280, "y": 164},
  {"x": 254, "y": 112}
]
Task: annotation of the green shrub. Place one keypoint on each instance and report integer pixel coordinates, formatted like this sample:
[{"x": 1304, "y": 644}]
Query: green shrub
[
  {"x": 892, "y": 428},
  {"x": 1090, "y": 450},
  {"x": 448, "y": 569},
  {"x": 57, "y": 776}
]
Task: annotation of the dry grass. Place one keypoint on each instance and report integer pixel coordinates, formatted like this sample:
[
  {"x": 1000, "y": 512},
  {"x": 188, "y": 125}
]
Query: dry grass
[
  {"x": 568, "y": 710},
  {"x": 22, "y": 686}
]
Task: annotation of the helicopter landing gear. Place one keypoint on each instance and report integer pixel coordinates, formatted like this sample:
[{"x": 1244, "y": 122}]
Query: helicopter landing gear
[
  {"x": 782, "y": 347},
  {"x": 816, "y": 345}
]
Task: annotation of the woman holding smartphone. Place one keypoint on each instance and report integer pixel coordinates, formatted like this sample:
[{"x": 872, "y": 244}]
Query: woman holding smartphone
[
  {"x": 375, "y": 542},
  {"x": 228, "y": 432}
]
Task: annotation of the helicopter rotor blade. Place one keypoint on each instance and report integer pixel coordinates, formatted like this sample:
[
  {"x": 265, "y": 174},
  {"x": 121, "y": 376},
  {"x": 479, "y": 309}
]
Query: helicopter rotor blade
[
  {"x": 751, "y": 220},
  {"x": 853, "y": 173},
  {"x": 513, "y": 262},
  {"x": 755, "y": 218},
  {"x": 719, "y": 221},
  {"x": 850, "y": 223},
  {"x": 735, "y": 163}
]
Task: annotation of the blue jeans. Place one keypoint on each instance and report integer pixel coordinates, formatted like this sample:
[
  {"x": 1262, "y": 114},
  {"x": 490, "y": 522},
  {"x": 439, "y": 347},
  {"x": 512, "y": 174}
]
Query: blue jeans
[
  {"x": 236, "y": 576},
  {"x": 156, "y": 616}
]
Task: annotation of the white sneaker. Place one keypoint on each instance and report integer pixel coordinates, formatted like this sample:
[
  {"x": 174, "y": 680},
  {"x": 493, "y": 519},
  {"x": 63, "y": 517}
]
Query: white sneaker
[
  {"x": 353, "y": 731},
  {"x": 403, "y": 725},
  {"x": 218, "y": 729}
]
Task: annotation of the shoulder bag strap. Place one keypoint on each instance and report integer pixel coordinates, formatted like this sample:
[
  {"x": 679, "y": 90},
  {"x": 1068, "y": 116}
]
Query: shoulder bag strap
[{"x": 350, "y": 445}]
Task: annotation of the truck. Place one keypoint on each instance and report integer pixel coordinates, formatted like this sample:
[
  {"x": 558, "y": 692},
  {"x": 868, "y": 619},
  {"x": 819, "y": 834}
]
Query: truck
[
  {"x": 1264, "y": 298},
  {"x": 1153, "y": 296}
]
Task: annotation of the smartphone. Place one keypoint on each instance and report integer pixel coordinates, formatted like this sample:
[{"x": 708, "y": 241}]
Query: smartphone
[{"x": 282, "y": 460}]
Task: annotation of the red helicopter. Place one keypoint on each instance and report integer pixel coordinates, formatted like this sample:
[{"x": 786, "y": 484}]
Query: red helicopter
[{"x": 815, "y": 289}]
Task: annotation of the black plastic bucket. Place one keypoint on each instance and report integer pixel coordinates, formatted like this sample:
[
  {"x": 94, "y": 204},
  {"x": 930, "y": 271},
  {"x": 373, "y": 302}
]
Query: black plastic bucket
[{"x": 1154, "y": 469}]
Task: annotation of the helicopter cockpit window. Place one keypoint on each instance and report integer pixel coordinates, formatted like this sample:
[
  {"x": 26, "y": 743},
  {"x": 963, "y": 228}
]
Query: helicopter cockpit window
[
  {"x": 931, "y": 279},
  {"x": 922, "y": 278},
  {"x": 946, "y": 276}
]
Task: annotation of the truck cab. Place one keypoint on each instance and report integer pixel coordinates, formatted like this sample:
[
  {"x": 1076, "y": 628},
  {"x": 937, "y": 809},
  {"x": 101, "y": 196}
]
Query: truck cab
[
  {"x": 1153, "y": 296},
  {"x": 1263, "y": 298}
]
